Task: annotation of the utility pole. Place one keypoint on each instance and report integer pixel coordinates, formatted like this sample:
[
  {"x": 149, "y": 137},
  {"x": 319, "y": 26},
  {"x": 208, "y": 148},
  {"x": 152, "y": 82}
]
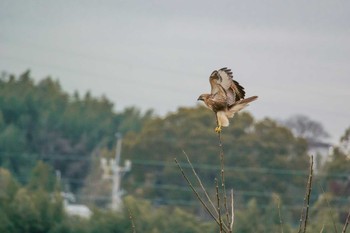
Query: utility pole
[{"x": 112, "y": 170}]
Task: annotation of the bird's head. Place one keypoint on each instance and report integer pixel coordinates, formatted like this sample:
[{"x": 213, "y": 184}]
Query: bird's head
[{"x": 203, "y": 97}]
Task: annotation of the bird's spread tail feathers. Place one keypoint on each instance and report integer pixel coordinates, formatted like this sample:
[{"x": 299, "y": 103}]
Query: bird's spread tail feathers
[{"x": 239, "y": 105}]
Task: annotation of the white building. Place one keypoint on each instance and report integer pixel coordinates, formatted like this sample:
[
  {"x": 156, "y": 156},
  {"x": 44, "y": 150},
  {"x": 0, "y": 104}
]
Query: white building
[{"x": 75, "y": 209}]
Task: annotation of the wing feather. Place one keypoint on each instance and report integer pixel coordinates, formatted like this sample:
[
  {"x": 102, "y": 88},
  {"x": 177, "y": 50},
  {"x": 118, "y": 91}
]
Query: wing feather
[
  {"x": 223, "y": 78},
  {"x": 238, "y": 89},
  {"x": 214, "y": 80},
  {"x": 226, "y": 77}
]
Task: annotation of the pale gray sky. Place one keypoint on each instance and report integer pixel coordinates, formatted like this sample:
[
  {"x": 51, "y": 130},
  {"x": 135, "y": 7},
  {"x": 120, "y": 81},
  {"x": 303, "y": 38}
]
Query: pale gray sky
[{"x": 158, "y": 54}]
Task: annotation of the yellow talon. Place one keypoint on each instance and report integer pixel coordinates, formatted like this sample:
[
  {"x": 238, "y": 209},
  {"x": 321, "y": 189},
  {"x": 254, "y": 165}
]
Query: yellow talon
[{"x": 218, "y": 129}]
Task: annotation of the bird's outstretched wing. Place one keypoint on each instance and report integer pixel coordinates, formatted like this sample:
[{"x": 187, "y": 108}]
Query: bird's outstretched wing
[{"x": 222, "y": 83}]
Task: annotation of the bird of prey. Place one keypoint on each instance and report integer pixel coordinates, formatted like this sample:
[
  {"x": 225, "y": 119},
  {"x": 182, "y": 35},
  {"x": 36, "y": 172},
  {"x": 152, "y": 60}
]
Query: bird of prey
[{"x": 226, "y": 97}]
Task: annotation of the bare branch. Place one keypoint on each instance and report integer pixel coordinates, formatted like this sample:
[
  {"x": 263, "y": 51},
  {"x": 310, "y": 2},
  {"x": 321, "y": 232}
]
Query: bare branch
[
  {"x": 200, "y": 183},
  {"x": 346, "y": 223},
  {"x": 199, "y": 197},
  {"x": 132, "y": 222},
  {"x": 218, "y": 203},
  {"x": 309, "y": 184},
  {"x": 322, "y": 228},
  {"x": 222, "y": 162},
  {"x": 232, "y": 212},
  {"x": 306, "y": 199},
  {"x": 279, "y": 214}
]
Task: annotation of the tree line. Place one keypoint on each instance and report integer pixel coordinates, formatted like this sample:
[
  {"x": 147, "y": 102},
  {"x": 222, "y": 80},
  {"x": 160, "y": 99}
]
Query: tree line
[
  {"x": 40, "y": 121},
  {"x": 265, "y": 160}
]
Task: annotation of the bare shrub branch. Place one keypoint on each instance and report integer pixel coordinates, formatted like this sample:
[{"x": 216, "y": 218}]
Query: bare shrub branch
[
  {"x": 132, "y": 222},
  {"x": 279, "y": 214},
  {"x": 346, "y": 222},
  {"x": 322, "y": 228},
  {"x": 222, "y": 163},
  {"x": 232, "y": 211},
  {"x": 306, "y": 204},
  {"x": 217, "y": 214},
  {"x": 225, "y": 228},
  {"x": 201, "y": 184},
  {"x": 218, "y": 204}
]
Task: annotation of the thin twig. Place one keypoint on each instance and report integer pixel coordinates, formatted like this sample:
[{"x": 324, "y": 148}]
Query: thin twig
[
  {"x": 222, "y": 162},
  {"x": 306, "y": 199},
  {"x": 195, "y": 191},
  {"x": 132, "y": 222},
  {"x": 200, "y": 183},
  {"x": 198, "y": 196},
  {"x": 330, "y": 209},
  {"x": 302, "y": 215},
  {"x": 309, "y": 184},
  {"x": 279, "y": 214},
  {"x": 232, "y": 211},
  {"x": 346, "y": 223},
  {"x": 322, "y": 228},
  {"x": 218, "y": 203}
]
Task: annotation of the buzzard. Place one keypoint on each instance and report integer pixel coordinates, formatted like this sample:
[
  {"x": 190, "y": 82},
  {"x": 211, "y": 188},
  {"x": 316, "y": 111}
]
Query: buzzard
[{"x": 226, "y": 97}]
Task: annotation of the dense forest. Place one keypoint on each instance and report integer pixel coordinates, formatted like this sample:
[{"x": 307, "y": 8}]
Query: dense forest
[{"x": 44, "y": 129}]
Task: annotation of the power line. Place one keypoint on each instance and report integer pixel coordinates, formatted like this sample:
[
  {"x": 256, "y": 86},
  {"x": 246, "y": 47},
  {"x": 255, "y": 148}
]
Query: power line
[
  {"x": 157, "y": 163},
  {"x": 182, "y": 188}
]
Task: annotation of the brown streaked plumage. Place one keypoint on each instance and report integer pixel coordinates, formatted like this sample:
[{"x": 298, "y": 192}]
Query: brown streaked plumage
[{"x": 226, "y": 97}]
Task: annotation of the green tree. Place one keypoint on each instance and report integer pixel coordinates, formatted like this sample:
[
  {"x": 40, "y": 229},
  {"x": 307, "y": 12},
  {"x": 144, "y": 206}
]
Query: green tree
[
  {"x": 132, "y": 119},
  {"x": 335, "y": 177},
  {"x": 344, "y": 144},
  {"x": 27, "y": 210},
  {"x": 163, "y": 219},
  {"x": 46, "y": 123},
  {"x": 35, "y": 211},
  {"x": 256, "y": 156},
  {"x": 268, "y": 218},
  {"x": 42, "y": 178},
  {"x": 8, "y": 189},
  {"x": 323, "y": 217}
]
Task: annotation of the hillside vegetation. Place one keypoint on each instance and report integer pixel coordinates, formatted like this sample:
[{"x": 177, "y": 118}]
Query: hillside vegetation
[{"x": 44, "y": 129}]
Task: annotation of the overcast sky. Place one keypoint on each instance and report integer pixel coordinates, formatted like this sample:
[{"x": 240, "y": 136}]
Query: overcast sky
[{"x": 295, "y": 55}]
